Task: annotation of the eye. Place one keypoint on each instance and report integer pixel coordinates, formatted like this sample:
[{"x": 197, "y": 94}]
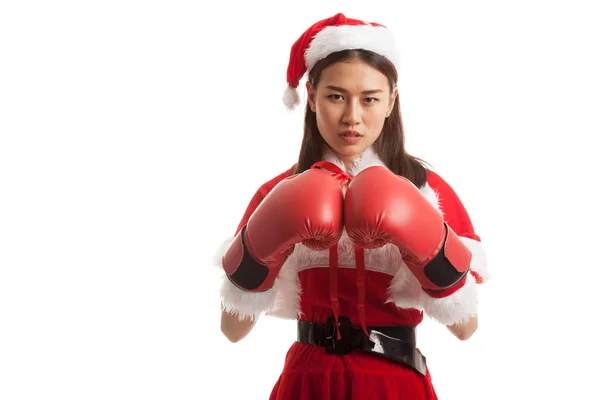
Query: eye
[
  {"x": 371, "y": 100},
  {"x": 335, "y": 97}
]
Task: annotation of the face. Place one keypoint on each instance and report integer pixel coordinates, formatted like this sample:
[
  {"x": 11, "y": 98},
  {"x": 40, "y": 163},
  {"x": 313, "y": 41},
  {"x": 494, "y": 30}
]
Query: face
[{"x": 351, "y": 102}]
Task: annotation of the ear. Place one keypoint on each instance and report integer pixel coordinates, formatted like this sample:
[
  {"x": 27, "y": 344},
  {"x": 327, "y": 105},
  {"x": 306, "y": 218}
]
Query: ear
[
  {"x": 393, "y": 98},
  {"x": 311, "y": 96}
]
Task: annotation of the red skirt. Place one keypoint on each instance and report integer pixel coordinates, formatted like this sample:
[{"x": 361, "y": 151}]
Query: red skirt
[{"x": 309, "y": 373}]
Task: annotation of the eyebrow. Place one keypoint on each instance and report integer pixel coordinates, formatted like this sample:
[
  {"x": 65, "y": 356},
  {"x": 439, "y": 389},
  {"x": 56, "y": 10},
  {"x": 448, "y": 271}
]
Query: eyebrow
[{"x": 339, "y": 89}]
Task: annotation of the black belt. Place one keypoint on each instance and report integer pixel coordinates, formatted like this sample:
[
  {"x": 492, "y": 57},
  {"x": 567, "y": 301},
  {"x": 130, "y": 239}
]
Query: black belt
[{"x": 394, "y": 342}]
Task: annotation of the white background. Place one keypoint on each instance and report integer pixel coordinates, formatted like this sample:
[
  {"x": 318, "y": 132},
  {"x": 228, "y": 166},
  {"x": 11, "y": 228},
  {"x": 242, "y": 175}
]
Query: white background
[{"x": 133, "y": 135}]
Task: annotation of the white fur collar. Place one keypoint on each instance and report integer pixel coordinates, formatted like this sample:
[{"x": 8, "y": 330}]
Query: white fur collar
[{"x": 367, "y": 159}]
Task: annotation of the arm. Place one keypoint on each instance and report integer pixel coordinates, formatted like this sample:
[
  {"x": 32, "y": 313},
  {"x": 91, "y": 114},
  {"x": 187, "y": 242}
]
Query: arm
[
  {"x": 305, "y": 208},
  {"x": 442, "y": 252},
  {"x": 235, "y": 329},
  {"x": 236, "y": 325},
  {"x": 466, "y": 330},
  {"x": 459, "y": 219}
]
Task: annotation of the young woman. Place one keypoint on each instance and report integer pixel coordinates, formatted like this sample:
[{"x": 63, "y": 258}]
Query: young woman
[{"x": 358, "y": 239}]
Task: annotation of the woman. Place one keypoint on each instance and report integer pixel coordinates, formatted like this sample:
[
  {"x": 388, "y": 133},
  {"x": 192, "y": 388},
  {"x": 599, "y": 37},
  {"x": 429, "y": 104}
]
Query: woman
[{"x": 358, "y": 240}]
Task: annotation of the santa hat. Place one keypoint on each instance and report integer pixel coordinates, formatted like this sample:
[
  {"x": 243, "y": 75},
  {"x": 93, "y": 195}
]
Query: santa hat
[{"x": 329, "y": 36}]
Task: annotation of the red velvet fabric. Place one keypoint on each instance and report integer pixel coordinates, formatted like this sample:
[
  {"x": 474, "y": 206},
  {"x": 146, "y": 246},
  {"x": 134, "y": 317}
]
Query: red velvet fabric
[{"x": 310, "y": 373}]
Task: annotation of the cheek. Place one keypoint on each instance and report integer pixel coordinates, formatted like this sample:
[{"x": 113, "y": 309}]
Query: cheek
[
  {"x": 326, "y": 119},
  {"x": 375, "y": 122}
]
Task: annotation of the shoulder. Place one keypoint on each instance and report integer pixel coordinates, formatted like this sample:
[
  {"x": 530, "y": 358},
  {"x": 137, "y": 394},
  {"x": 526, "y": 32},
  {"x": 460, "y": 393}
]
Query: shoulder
[
  {"x": 450, "y": 205},
  {"x": 441, "y": 187},
  {"x": 266, "y": 187},
  {"x": 436, "y": 182},
  {"x": 261, "y": 193},
  {"x": 457, "y": 217}
]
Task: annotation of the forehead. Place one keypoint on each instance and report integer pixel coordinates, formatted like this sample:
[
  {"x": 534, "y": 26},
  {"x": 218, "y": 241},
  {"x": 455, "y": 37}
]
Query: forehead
[{"x": 353, "y": 76}]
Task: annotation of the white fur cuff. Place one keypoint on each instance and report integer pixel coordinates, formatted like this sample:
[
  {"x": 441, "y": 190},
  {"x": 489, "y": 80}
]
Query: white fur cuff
[
  {"x": 217, "y": 259},
  {"x": 459, "y": 307},
  {"x": 239, "y": 302},
  {"x": 479, "y": 258},
  {"x": 246, "y": 305}
]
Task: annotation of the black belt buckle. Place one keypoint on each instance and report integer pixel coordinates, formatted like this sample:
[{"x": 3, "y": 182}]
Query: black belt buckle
[{"x": 333, "y": 345}]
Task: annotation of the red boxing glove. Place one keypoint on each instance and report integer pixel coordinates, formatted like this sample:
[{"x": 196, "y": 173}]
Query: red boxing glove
[
  {"x": 303, "y": 208},
  {"x": 382, "y": 208}
]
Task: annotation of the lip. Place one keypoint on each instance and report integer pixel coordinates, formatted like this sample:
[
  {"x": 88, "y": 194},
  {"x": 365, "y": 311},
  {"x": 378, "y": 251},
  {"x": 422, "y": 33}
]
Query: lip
[
  {"x": 350, "y": 133},
  {"x": 351, "y": 137}
]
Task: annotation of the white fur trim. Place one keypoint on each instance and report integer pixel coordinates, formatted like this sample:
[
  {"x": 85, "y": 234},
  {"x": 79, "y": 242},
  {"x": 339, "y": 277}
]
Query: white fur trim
[
  {"x": 287, "y": 288},
  {"x": 479, "y": 258},
  {"x": 329, "y": 155},
  {"x": 246, "y": 305},
  {"x": 457, "y": 308},
  {"x": 367, "y": 159},
  {"x": 386, "y": 259},
  {"x": 405, "y": 290},
  {"x": 291, "y": 98},
  {"x": 347, "y": 37},
  {"x": 239, "y": 302},
  {"x": 217, "y": 259},
  {"x": 432, "y": 196}
]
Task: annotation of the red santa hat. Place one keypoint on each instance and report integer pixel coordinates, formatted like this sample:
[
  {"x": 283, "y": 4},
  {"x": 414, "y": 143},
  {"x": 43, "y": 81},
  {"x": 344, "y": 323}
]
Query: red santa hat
[{"x": 329, "y": 36}]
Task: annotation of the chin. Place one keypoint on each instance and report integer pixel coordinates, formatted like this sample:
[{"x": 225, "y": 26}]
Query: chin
[{"x": 346, "y": 150}]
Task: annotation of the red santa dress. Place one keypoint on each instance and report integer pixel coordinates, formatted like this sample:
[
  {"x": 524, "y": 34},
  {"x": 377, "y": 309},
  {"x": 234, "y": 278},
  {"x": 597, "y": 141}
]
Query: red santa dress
[{"x": 392, "y": 297}]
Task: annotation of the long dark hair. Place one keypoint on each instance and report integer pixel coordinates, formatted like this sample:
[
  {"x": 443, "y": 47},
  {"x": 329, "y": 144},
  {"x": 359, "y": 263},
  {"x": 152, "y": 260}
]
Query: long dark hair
[{"x": 389, "y": 146}]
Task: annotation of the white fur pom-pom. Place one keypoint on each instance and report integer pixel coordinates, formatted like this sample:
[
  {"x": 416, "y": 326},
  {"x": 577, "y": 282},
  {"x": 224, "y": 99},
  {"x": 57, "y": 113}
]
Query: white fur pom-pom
[{"x": 291, "y": 98}]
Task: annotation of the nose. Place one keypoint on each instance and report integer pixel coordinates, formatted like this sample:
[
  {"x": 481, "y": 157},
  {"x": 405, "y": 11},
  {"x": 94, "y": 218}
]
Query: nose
[{"x": 352, "y": 112}]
